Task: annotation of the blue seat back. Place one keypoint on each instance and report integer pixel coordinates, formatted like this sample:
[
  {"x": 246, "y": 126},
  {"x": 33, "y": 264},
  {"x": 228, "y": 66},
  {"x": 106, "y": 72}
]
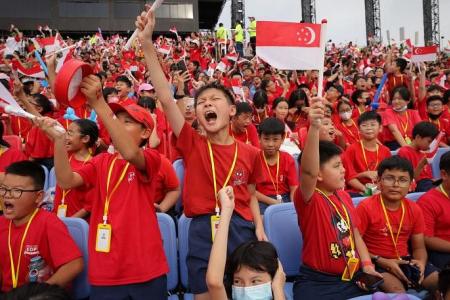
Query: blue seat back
[
  {"x": 51, "y": 178},
  {"x": 357, "y": 200},
  {"x": 168, "y": 234},
  {"x": 435, "y": 163},
  {"x": 178, "y": 165},
  {"x": 414, "y": 196},
  {"x": 281, "y": 225},
  {"x": 79, "y": 230},
  {"x": 46, "y": 177},
  {"x": 183, "y": 234}
]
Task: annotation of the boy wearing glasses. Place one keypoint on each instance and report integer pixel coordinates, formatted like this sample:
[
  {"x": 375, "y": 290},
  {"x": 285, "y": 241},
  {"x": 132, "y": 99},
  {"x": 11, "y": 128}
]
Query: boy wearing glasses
[
  {"x": 35, "y": 245},
  {"x": 388, "y": 222}
]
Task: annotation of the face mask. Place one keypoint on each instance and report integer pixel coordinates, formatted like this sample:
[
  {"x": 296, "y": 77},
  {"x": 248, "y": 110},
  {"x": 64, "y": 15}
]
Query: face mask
[
  {"x": 345, "y": 115},
  {"x": 434, "y": 117},
  {"x": 260, "y": 110},
  {"x": 257, "y": 292},
  {"x": 401, "y": 109},
  {"x": 113, "y": 99}
]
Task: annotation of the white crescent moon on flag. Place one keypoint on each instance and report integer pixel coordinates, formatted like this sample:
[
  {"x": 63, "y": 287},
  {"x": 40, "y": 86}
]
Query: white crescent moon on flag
[
  {"x": 416, "y": 51},
  {"x": 313, "y": 35}
]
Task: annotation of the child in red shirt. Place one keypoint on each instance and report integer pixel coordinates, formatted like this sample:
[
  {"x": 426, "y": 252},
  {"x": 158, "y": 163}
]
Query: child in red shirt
[
  {"x": 328, "y": 221},
  {"x": 389, "y": 222},
  {"x": 280, "y": 175},
  {"x": 8, "y": 155},
  {"x": 241, "y": 127},
  {"x": 435, "y": 206},
  {"x": 122, "y": 263},
  {"x": 345, "y": 124},
  {"x": 167, "y": 187},
  {"x": 423, "y": 134},
  {"x": 211, "y": 161},
  {"x": 40, "y": 247}
]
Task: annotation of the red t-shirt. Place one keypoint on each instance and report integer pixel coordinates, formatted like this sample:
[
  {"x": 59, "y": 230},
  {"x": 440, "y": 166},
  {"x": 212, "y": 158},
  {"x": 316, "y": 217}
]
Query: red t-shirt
[
  {"x": 325, "y": 237},
  {"x": 394, "y": 81},
  {"x": 354, "y": 162},
  {"x": 38, "y": 145},
  {"x": 10, "y": 156},
  {"x": 166, "y": 179},
  {"x": 198, "y": 173},
  {"x": 20, "y": 126},
  {"x": 351, "y": 133},
  {"x": 436, "y": 207},
  {"x": 75, "y": 199},
  {"x": 287, "y": 175},
  {"x": 415, "y": 156},
  {"x": 375, "y": 231},
  {"x": 249, "y": 136},
  {"x": 133, "y": 220},
  {"x": 405, "y": 123},
  {"x": 47, "y": 237}
]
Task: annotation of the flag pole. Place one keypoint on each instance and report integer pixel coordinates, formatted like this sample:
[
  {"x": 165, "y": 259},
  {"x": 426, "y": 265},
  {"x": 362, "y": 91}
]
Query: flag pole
[{"x": 323, "y": 33}]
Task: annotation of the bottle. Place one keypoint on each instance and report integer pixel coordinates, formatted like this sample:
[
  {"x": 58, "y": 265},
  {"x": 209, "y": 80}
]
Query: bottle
[{"x": 39, "y": 271}]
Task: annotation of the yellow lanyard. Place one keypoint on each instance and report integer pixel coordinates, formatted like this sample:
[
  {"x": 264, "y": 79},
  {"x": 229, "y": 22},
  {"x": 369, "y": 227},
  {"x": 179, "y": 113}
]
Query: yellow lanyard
[
  {"x": 14, "y": 271},
  {"x": 435, "y": 122},
  {"x": 65, "y": 192},
  {"x": 20, "y": 127},
  {"x": 394, "y": 241},
  {"x": 213, "y": 169},
  {"x": 350, "y": 131},
  {"x": 443, "y": 191},
  {"x": 275, "y": 186},
  {"x": 108, "y": 194},
  {"x": 345, "y": 220},
  {"x": 365, "y": 158},
  {"x": 405, "y": 126}
]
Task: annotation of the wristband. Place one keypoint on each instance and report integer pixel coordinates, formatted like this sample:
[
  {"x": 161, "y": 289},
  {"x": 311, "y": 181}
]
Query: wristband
[{"x": 367, "y": 263}]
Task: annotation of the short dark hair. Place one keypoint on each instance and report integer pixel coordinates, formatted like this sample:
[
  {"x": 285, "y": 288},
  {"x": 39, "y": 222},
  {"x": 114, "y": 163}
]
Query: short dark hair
[
  {"x": 444, "y": 163},
  {"x": 216, "y": 86},
  {"x": 328, "y": 150},
  {"x": 147, "y": 102},
  {"x": 434, "y": 98},
  {"x": 396, "y": 163},
  {"x": 401, "y": 63},
  {"x": 271, "y": 126},
  {"x": 108, "y": 91},
  {"x": 425, "y": 129},
  {"x": 43, "y": 102},
  {"x": 369, "y": 116},
  {"x": 260, "y": 99},
  {"x": 125, "y": 79},
  {"x": 278, "y": 101},
  {"x": 403, "y": 92},
  {"x": 446, "y": 96},
  {"x": 242, "y": 108},
  {"x": 26, "y": 168},
  {"x": 38, "y": 291},
  {"x": 88, "y": 128},
  {"x": 357, "y": 94},
  {"x": 434, "y": 87},
  {"x": 296, "y": 95}
]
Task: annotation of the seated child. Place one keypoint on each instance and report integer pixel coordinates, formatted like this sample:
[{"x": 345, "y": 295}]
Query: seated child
[{"x": 241, "y": 127}]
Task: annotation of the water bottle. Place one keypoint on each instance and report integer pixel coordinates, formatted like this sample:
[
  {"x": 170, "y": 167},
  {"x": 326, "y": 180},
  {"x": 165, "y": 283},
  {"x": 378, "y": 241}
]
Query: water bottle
[{"x": 39, "y": 271}]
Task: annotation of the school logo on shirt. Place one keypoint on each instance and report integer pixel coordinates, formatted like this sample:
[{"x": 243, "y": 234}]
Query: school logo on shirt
[
  {"x": 31, "y": 250},
  {"x": 131, "y": 176},
  {"x": 239, "y": 177},
  {"x": 281, "y": 178}
]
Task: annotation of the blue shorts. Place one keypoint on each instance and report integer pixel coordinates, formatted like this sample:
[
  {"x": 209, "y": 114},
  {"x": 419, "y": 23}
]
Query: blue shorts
[
  {"x": 439, "y": 259},
  {"x": 429, "y": 269},
  {"x": 263, "y": 206},
  {"x": 312, "y": 285},
  {"x": 157, "y": 288},
  {"x": 200, "y": 244}
]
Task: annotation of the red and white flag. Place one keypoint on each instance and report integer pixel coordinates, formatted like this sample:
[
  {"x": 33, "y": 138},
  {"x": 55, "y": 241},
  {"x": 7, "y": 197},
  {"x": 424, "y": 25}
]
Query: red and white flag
[
  {"x": 290, "y": 46},
  {"x": 236, "y": 85},
  {"x": 232, "y": 56},
  {"x": 50, "y": 44},
  {"x": 173, "y": 29},
  {"x": 434, "y": 146},
  {"x": 422, "y": 54},
  {"x": 223, "y": 65},
  {"x": 67, "y": 54},
  {"x": 164, "y": 49},
  {"x": 35, "y": 71}
]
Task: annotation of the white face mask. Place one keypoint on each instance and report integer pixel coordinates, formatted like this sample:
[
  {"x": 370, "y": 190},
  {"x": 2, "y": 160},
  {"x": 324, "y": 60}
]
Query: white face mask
[
  {"x": 401, "y": 109},
  {"x": 256, "y": 292},
  {"x": 345, "y": 115}
]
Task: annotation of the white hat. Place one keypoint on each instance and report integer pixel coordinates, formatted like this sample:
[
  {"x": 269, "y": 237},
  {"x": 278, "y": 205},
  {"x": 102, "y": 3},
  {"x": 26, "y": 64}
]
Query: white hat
[{"x": 367, "y": 70}]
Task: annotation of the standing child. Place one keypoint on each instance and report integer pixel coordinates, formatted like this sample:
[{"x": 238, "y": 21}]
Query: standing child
[
  {"x": 126, "y": 256},
  {"x": 211, "y": 161},
  {"x": 280, "y": 175}
]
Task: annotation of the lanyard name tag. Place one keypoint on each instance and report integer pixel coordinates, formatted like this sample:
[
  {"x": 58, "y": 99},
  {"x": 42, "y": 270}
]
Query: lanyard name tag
[
  {"x": 103, "y": 239},
  {"x": 62, "y": 211},
  {"x": 350, "y": 269},
  {"x": 215, "y": 220}
]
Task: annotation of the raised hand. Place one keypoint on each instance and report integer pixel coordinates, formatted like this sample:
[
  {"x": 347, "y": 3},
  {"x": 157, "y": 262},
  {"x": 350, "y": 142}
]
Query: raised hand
[
  {"x": 145, "y": 23},
  {"x": 91, "y": 87},
  {"x": 316, "y": 112}
]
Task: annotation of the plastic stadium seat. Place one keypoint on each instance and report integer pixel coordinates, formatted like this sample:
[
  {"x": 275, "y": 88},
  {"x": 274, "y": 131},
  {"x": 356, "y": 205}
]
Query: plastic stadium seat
[
  {"x": 178, "y": 165},
  {"x": 79, "y": 229},
  {"x": 14, "y": 141},
  {"x": 281, "y": 226},
  {"x": 46, "y": 177},
  {"x": 435, "y": 162},
  {"x": 167, "y": 228},
  {"x": 183, "y": 233},
  {"x": 357, "y": 200},
  {"x": 51, "y": 178},
  {"x": 414, "y": 196},
  {"x": 394, "y": 152},
  {"x": 369, "y": 297}
]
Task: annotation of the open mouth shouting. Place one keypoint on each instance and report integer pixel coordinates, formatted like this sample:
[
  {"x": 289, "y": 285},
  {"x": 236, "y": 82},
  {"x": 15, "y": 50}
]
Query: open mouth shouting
[
  {"x": 210, "y": 117},
  {"x": 8, "y": 207}
]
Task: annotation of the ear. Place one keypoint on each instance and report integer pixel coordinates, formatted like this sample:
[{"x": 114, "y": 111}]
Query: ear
[
  {"x": 85, "y": 139},
  {"x": 39, "y": 198},
  {"x": 232, "y": 110},
  {"x": 146, "y": 133},
  {"x": 320, "y": 176}
]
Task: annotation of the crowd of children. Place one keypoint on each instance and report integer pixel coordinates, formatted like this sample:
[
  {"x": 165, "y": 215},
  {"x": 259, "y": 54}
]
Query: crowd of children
[{"x": 250, "y": 137}]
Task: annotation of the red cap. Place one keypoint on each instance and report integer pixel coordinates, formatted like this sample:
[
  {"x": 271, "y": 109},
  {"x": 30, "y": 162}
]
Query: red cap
[{"x": 138, "y": 113}]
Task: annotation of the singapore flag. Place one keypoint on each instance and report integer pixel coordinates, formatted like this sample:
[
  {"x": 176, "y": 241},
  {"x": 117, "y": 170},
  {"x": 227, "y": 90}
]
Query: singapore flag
[
  {"x": 290, "y": 46},
  {"x": 421, "y": 54}
]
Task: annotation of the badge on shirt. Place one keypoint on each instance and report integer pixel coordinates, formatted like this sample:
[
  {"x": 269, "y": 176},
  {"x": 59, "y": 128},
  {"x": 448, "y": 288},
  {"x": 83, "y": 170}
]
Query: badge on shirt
[
  {"x": 350, "y": 269},
  {"x": 103, "y": 239},
  {"x": 215, "y": 220},
  {"x": 62, "y": 211}
]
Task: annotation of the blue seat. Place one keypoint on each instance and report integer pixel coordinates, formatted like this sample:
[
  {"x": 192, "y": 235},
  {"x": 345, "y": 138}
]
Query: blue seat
[
  {"x": 168, "y": 234},
  {"x": 394, "y": 152},
  {"x": 46, "y": 177},
  {"x": 369, "y": 297},
  {"x": 51, "y": 178},
  {"x": 414, "y": 196},
  {"x": 183, "y": 246},
  {"x": 281, "y": 226},
  {"x": 79, "y": 230},
  {"x": 178, "y": 165},
  {"x": 357, "y": 200},
  {"x": 435, "y": 163}
]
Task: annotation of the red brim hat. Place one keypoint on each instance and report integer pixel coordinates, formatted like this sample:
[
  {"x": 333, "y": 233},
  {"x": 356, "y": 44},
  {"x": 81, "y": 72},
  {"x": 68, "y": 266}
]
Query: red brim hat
[{"x": 138, "y": 113}]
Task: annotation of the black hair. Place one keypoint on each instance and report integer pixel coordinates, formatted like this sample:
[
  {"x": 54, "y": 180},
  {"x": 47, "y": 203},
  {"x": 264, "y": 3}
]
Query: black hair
[
  {"x": 369, "y": 116},
  {"x": 328, "y": 150},
  {"x": 2, "y": 141},
  {"x": 401, "y": 63},
  {"x": 396, "y": 163},
  {"x": 296, "y": 95},
  {"x": 434, "y": 98},
  {"x": 260, "y": 99},
  {"x": 402, "y": 91},
  {"x": 356, "y": 95},
  {"x": 256, "y": 255},
  {"x": 26, "y": 168},
  {"x": 434, "y": 87},
  {"x": 44, "y": 103},
  {"x": 444, "y": 281},
  {"x": 125, "y": 79},
  {"x": 216, "y": 86},
  {"x": 278, "y": 101},
  {"x": 271, "y": 126},
  {"x": 88, "y": 128},
  {"x": 446, "y": 96},
  {"x": 220, "y": 24},
  {"x": 108, "y": 91},
  {"x": 38, "y": 291},
  {"x": 243, "y": 107},
  {"x": 147, "y": 102},
  {"x": 425, "y": 129},
  {"x": 342, "y": 102},
  {"x": 444, "y": 163},
  {"x": 102, "y": 74},
  {"x": 264, "y": 84}
]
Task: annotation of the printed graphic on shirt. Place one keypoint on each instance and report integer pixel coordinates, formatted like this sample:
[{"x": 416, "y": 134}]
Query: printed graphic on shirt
[
  {"x": 239, "y": 177},
  {"x": 343, "y": 234}
]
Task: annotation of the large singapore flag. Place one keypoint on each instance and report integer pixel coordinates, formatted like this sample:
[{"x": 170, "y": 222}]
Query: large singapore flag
[
  {"x": 290, "y": 46},
  {"x": 421, "y": 54}
]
